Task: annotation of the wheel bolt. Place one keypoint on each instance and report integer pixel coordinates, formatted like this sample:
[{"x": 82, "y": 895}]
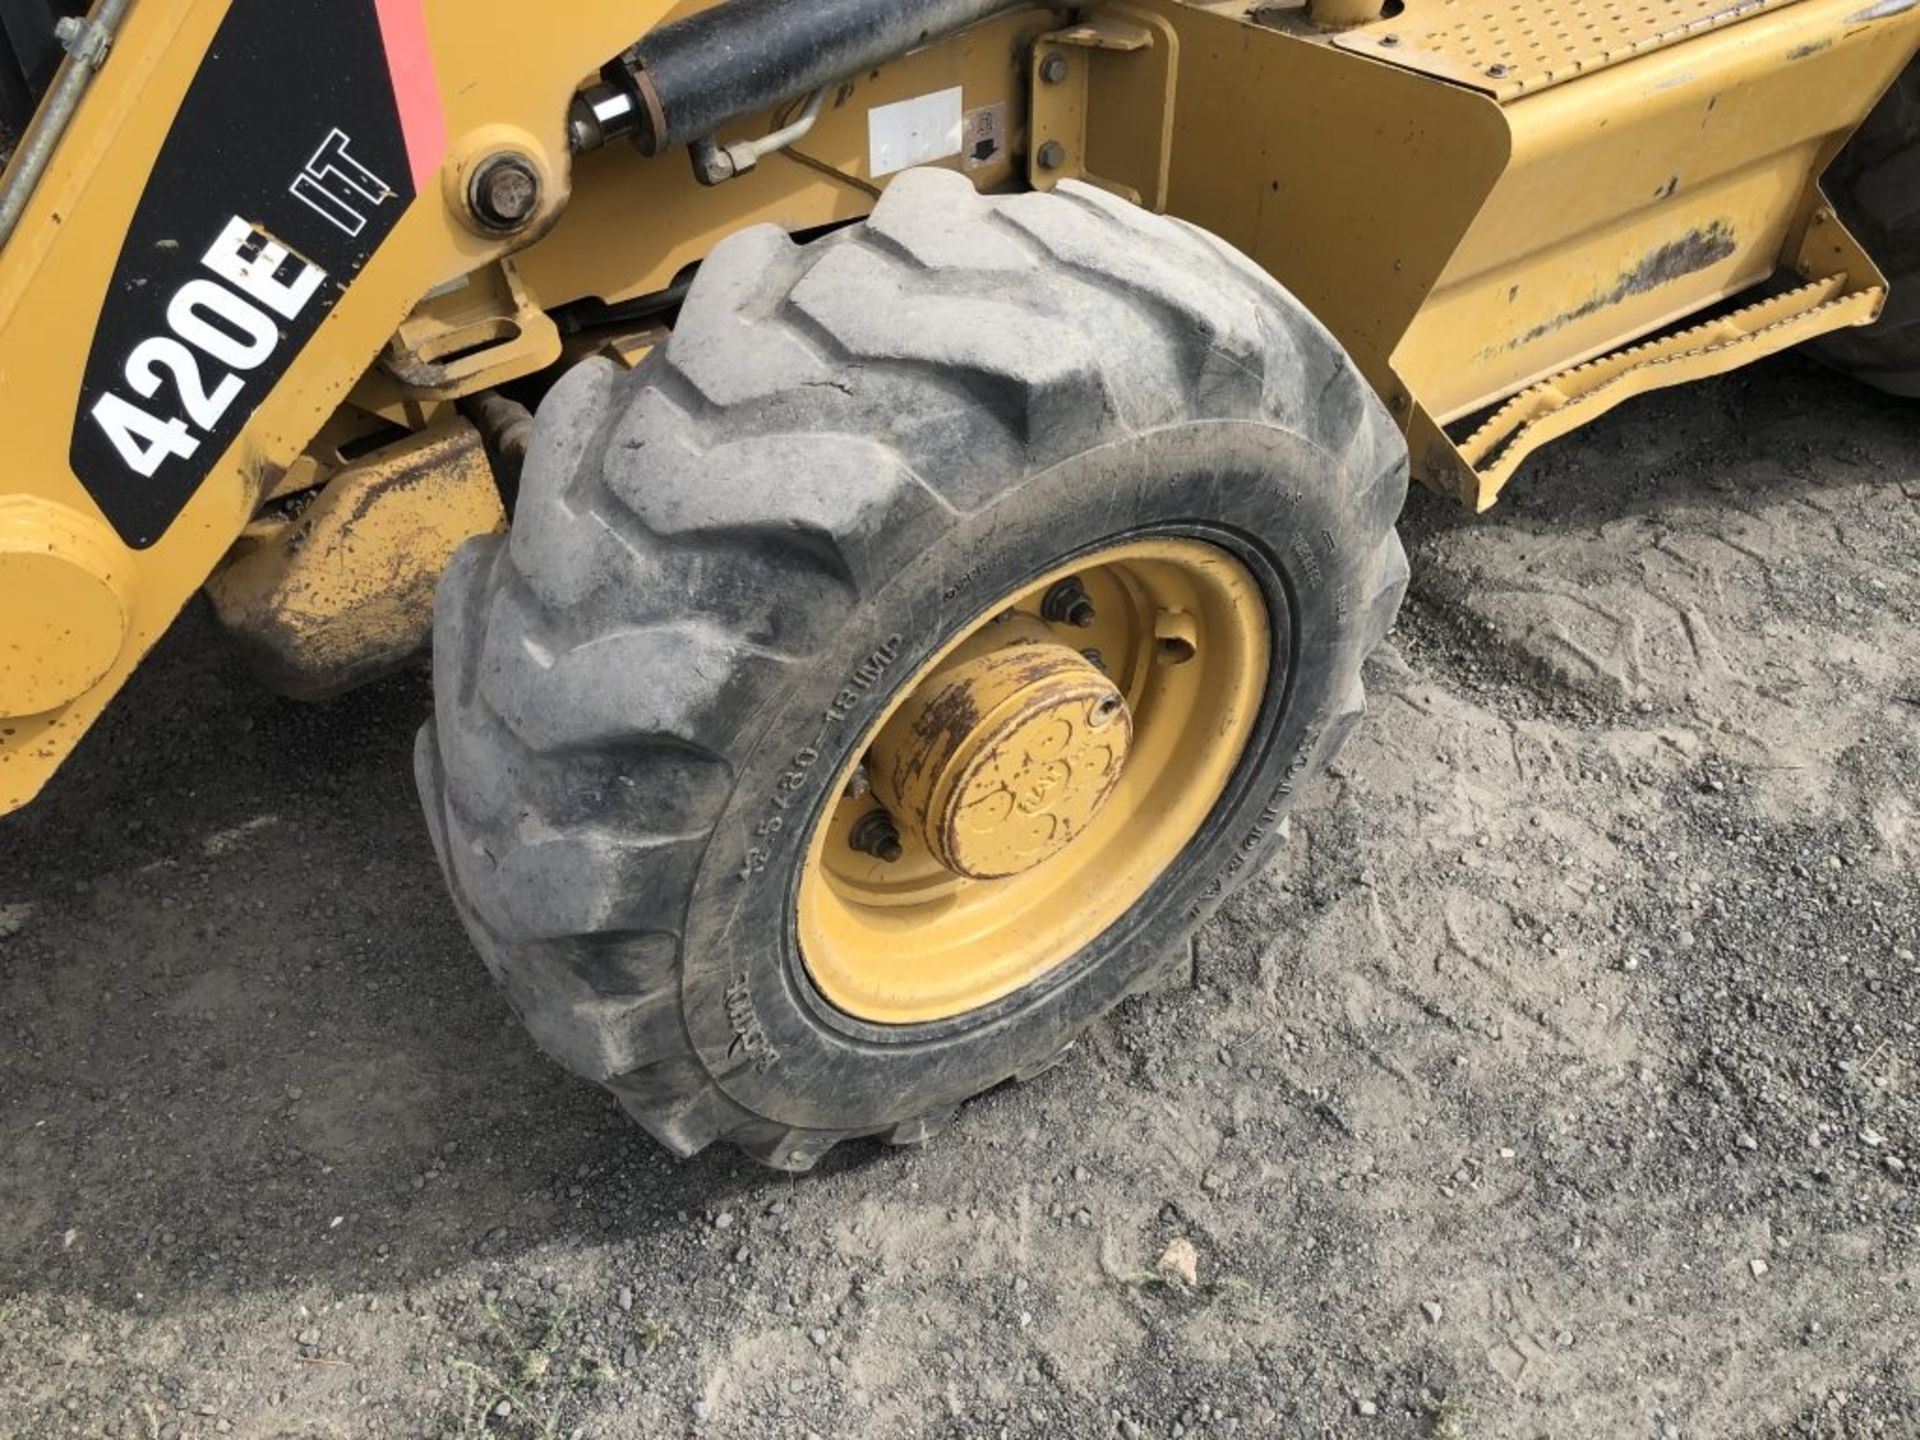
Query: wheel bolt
[
  {"x": 875, "y": 834},
  {"x": 1068, "y": 604}
]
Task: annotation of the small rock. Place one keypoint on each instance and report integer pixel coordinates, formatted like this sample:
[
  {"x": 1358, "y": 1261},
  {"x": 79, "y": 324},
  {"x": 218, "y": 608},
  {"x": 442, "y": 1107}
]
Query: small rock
[
  {"x": 1180, "y": 1264},
  {"x": 1366, "y": 1407},
  {"x": 723, "y": 1221},
  {"x": 307, "y": 1337},
  {"x": 1895, "y": 1165},
  {"x": 1759, "y": 1268},
  {"x": 625, "y": 1298},
  {"x": 1433, "y": 1310},
  {"x": 1129, "y": 1429},
  {"x": 504, "y": 1410}
]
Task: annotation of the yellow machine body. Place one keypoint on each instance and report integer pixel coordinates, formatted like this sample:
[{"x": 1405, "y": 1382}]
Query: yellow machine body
[
  {"x": 1514, "y": 217},
  {"x": 1480, "y": 198}
]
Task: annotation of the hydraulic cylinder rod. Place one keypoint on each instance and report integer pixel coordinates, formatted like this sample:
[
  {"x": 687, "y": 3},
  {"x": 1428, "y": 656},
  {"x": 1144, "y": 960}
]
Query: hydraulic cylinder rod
[{"x": 687, "y": 80}]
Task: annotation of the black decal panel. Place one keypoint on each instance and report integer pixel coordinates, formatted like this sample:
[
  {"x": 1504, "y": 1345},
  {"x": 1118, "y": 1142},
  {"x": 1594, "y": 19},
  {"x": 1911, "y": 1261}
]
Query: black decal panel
[{"x": 285, "y": 170}]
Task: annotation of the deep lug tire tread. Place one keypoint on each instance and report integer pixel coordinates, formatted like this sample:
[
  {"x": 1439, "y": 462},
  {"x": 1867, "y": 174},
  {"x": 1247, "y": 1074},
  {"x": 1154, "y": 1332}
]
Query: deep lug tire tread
[{"x": 692, "y": 532}]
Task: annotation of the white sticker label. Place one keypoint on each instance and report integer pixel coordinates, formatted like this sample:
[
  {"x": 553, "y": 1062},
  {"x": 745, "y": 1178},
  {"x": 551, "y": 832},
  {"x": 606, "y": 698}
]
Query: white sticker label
[{"x": 915, "y": 132}]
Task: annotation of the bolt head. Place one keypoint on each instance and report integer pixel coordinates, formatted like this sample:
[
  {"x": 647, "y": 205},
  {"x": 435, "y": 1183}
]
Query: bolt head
[
  {"x": 876, "y": 835},
  {"x": 1067, "y": 603},
  {"x": 1054, "y": 68},
  {"x": 506, "y": 192},
  {"x": 1052, "y": 155}
]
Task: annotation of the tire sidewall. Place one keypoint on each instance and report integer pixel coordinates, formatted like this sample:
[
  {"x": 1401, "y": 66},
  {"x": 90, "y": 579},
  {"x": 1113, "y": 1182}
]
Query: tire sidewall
[{"x": 768, "y": 1040}]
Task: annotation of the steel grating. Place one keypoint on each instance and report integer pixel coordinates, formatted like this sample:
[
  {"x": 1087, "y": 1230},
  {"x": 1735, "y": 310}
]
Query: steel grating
[{"x": 1510, "y": 48}]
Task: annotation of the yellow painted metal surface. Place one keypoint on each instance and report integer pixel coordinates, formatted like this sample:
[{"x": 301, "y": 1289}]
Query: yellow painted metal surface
[
  {"x": 1639, "y": 195},
  {"x": 1182, "y": 630},
  {"x": 68, "y": 591},
  {"x": 1004, "y": 757},
  {"x": 1345, "y": 14},
  {"x": 1469, "y": 237},
  {"x": 479, "y": 334},
  {"x": 1635, "y": 198},
  {"x": 343, "y": 592},
  {"x": 1349, "y": 180},
  {"x": 1124, "y": 64},
  {"x": 1510, "y": 48},
  {"x": 54, "y": 275},
  {"x": 613, "y": 227},
  {"x": 666, "y": 221},
  {"x": 1650, "y": 161},
  {"x": 1558, "y": 406}
]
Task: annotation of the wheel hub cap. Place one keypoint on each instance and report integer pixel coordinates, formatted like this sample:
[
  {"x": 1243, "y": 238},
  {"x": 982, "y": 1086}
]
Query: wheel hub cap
[
  {"x": 1034, "y": 780},
  {"x": 1008, "y": 753}
]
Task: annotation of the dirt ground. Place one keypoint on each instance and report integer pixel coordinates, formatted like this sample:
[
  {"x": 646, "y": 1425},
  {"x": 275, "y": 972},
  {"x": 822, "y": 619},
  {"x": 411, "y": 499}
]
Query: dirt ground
[{"x": 1560, "y": 1081}]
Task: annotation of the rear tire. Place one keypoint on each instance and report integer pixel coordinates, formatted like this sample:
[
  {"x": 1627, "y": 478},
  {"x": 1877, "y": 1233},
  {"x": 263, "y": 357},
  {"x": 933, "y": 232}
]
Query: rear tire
[
  {"x": 726, "y": 562},
  {"x": 1875, "y": 186}
]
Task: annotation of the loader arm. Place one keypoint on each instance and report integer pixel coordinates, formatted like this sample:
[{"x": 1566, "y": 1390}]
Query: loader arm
[
  {"x": 267, "y": 275},
  {"x": 251, "y": 198}
]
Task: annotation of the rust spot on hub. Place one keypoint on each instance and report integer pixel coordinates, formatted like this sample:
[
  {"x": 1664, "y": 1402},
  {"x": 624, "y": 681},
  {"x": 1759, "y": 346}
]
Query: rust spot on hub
[{"x": 1003, "y": 757}]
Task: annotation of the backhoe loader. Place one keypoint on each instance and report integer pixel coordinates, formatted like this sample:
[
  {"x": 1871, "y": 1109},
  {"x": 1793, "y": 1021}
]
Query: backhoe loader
[{"x": 899, "y": 493}]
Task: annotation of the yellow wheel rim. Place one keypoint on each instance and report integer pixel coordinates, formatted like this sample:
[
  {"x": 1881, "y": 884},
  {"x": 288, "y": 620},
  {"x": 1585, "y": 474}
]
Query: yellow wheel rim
[{"x": 1030, "y": 784}]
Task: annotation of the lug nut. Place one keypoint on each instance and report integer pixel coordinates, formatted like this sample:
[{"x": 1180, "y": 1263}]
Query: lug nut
[
  {"x": 875, "y": 834},
  {"x": 505, "y": 193},
  {"x": 1068, "y": 604}
]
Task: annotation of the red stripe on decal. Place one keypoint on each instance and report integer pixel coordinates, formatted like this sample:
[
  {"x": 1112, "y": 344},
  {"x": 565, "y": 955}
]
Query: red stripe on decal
[{"x": 403, "y": 24}]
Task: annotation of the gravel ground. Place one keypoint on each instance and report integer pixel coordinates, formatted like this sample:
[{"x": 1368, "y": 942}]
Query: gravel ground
[{"x": 1560, "y": 1080}]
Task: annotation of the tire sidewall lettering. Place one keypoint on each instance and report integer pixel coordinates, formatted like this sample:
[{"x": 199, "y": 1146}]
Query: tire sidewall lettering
[{"x": 1262, "y": 489}]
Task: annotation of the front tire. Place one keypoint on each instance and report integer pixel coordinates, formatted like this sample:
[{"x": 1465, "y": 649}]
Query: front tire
[{"x": 730, "y": 567}]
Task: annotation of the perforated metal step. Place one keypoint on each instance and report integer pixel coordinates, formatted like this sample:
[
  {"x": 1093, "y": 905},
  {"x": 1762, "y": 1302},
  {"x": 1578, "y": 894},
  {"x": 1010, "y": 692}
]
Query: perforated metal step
[{"x": 1510, "y": 48}]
